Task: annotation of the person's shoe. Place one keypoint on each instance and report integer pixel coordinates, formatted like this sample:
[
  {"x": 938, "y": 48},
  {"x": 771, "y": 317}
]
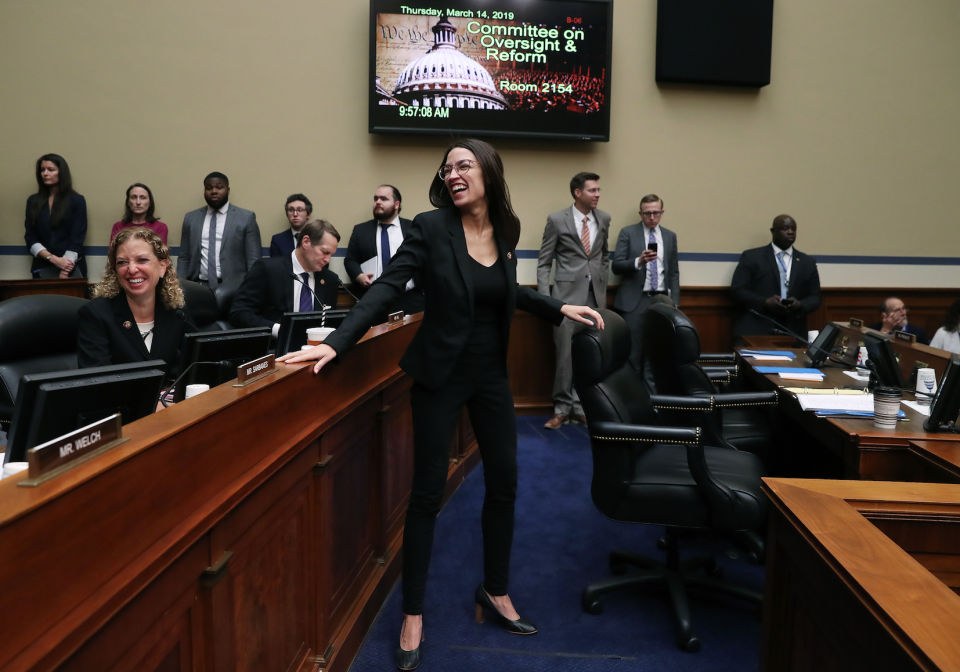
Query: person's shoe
[
  {"x": 556, "y": 422},
  {"x": 408, "y": 660},
  {"x": 578, "y": 419},
  {"x": 521, "y": 626}
]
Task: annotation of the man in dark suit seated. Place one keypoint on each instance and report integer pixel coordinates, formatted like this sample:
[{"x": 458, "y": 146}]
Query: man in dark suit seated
[
  {"x": 375, "y": 242},
  {"x": 299, "y": 282},
  {"x": 893, "y": 317},
  {"x": 298, "y": 209},
  {"x": 778, "y": 281}
]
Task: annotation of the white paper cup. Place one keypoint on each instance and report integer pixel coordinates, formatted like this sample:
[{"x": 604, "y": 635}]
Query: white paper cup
[
  {"x": 812, "y": 335},
  {"x": 886, "y": 407},
  {"x": 315, "y": 335},
  {"x": 194, "y": 390},
  {"x": 12, "y": 468},
  {"x": 926, "y": 384}
]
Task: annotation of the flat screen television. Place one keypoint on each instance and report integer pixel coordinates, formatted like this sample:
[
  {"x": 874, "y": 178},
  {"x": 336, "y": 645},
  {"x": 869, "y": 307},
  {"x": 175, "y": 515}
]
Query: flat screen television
[
  {"x": 50, "y": 405},
  {"x": 517, "y": 68},
  {"x": 882, "y": 360},
  {"x": 293, "y": 327},
  {"x": 215, "y": 356},
  {"x": 945, "y": 406}
]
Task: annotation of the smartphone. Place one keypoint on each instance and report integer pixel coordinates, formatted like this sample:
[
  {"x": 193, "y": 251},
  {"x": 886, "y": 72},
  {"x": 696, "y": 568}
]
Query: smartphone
[
  {"x": 787, "y": 301},
  {"x": 652, "y": 247}
]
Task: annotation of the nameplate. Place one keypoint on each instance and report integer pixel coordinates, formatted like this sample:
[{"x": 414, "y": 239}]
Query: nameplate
[
  {"x": 904, "y": 337},
  {"x": 253, "y": 371},
  {"x": 57, "y": 456},
  {"x": 855, "y": 323},
  {"x": 395, "y": 318}
]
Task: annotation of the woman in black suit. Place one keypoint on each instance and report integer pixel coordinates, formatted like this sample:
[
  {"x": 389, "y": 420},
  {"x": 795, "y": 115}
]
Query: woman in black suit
[
  {"x": 137, "y": 313},
  {"x": 465, "y": 254},
  {"x": 56, "y": 223}
]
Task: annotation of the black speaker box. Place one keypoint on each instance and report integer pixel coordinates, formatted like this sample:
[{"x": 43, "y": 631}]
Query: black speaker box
[{"x": 718, "y": 42}]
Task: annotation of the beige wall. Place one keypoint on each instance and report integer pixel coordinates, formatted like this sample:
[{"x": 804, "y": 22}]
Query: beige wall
[{"x": 857, "y": 136}]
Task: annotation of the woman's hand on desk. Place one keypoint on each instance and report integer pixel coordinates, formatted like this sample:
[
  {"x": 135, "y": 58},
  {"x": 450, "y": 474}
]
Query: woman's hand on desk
[
  {"x": 581, "y": 314},
  {"x": 322, "y": 353}
]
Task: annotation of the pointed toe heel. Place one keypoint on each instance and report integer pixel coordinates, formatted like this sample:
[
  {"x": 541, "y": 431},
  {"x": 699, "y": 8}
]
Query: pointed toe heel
[{"x": 521, "y": 626}]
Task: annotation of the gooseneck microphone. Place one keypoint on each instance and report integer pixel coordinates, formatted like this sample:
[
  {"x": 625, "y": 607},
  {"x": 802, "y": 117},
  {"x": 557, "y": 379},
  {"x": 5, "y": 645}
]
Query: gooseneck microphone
[
  {"x": 323, "y": 306},
  {"x": 347, "y": 290},
  {"x": 164, "y": 393},
  {"x": 783, "y": 331}
]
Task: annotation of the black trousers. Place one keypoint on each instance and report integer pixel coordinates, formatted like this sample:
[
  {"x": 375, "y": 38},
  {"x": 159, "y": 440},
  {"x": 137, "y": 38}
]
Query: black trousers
[{"x": 481, "y": 384}]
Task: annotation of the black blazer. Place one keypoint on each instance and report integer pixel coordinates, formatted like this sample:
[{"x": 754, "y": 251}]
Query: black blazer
[
  {"x": 267, "y": 292},
  {"x": 68, "y": 236},
  {"x": 437, "y": 248},
  {"x": 757, "y": 278},
  {"x": 103, "y": 338},
  {"x": 282, "y": 244}
]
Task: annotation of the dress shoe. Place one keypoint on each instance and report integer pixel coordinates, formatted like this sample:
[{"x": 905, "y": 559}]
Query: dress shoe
[
  {"x": 557, "y": 421},
  {"x": 521, "y": 626},
  {"x": 408, "y": 660},
  {"x": 578, "y": 419}
]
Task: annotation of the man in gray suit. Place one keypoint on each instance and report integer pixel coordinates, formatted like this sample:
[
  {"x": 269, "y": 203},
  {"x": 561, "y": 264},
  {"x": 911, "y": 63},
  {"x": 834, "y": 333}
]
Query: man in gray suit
[
  {"x": 646, "y": 258},
  {"x": 234, "y": 238},
  {"x": 577, "y": 238}
]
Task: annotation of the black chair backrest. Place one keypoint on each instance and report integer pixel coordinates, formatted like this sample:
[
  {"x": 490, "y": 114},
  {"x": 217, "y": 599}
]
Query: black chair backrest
[
  {"x": 672, "y": 345},
  {"x": 201, "y": 305},
  {"x": 225, "y": 293},
  {"x": 608, "y": 387}
]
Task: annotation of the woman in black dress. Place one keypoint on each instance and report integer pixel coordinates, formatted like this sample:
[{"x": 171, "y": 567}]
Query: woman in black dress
[
  {"x": 465, "y": 253},
  {"x": 56, "y": 222}
]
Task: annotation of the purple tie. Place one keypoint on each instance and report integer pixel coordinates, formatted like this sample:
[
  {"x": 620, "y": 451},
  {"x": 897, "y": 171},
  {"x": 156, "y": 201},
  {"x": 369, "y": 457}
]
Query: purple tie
[
  {"x": 652, "y": 267},
  {"x": 306, "y": 297}
]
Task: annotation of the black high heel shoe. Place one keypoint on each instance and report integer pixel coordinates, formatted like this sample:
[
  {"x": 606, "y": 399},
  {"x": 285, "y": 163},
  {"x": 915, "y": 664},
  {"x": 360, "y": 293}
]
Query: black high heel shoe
[
  {"x": 521, "y": 626},
  {"x": 408, "y": 660}
]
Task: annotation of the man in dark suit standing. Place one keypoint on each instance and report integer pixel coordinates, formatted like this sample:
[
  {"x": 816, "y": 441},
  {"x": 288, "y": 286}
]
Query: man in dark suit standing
[
  {"x": 298, "y": 209},
  {"x": 893, "y": 317},
  {"x": 298, "y": 282},
  {"x": 577, "y": 239},
  {"x": 233, "y": 242},
  {"x": 778, "y": 281},
  {"x": 646, "y": 258},
  {"x": 375, "y": 242}
]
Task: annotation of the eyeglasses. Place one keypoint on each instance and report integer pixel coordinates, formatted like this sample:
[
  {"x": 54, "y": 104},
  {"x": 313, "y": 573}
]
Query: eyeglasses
[
  {"x": 298, "y": 211},
  {"x": 462, "y": 167},
  {"x": 651, "y": 213}
]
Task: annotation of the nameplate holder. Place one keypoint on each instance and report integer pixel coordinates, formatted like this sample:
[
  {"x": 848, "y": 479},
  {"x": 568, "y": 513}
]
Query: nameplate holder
[
  {"x": 904, "y": 337},
  {"x": 53, "y": 458},
  {"x": 396, "y": 318},
  {"x": 855, "y": 323},
  {"x": 253, "y": 371}
]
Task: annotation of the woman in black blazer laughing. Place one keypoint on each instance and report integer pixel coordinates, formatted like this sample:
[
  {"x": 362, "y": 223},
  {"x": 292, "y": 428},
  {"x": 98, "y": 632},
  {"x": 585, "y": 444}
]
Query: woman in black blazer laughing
[
  {"x": 138, "y": 310},
  {"x": 465, "y": 254}
]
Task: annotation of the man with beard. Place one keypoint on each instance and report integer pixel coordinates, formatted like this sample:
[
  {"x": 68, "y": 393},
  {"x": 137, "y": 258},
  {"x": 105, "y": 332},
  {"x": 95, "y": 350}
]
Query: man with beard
[
  {"x": 374, "y": 243},
  {"x": 298, "y": 210},
  {"x": 221, "y": 232}
]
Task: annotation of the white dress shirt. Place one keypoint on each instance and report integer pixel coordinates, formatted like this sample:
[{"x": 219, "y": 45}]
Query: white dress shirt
[
  {"x": 395, "y": 236},
  {"x": 658, "y": 234},
  {"x": 205, "y": 238},
  {"x": 297, "y": 288}
]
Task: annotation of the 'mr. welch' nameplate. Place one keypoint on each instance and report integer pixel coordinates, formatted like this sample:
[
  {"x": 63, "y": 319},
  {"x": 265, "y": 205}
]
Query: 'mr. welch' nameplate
[
  {"x": 54, "y": 457},
  {"x": 255, "y": 370}
]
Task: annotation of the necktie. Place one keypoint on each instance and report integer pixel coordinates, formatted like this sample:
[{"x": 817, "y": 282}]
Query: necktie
[
  {"x": 784, "y": 281},
  {"x": 652, "y": 267},
  {"x": 212, "y": 252},
  {"x": 306, "y": 297},
  {"x": 585, "y": 236},
  {"x": 384, "y": 247}
]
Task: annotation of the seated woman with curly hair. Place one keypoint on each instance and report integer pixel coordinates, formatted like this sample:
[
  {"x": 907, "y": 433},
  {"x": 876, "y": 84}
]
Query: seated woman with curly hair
[{"x": 137, "y": 313}]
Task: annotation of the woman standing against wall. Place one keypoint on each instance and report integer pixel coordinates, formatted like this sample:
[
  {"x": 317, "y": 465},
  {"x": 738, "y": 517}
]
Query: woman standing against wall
[
  {"x": 138, "y": 210},
  {"x": 56, "y": 222}
]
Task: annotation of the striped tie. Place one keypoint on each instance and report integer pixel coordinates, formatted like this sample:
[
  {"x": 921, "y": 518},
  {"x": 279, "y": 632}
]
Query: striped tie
[{"x": 585, "y": 236}]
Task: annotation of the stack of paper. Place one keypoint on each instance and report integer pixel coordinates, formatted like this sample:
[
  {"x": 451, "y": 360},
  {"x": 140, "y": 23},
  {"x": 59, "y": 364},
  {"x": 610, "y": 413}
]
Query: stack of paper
[
  {"x": 793, "y": 373},
  {"x": 835, "y": 405},
  {"x": 769, "y": 355}
]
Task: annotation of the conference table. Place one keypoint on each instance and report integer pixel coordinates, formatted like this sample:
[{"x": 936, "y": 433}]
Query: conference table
[{"x": 247, "y": 528}]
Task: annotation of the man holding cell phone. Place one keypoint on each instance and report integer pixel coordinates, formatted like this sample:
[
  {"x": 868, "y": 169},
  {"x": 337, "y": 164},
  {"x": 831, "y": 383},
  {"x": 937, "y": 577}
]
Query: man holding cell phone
[{"x": 646, "y": 260}]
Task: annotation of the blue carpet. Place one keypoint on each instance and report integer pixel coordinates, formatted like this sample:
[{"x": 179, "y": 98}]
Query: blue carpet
[{"x": 561, "y": 544}]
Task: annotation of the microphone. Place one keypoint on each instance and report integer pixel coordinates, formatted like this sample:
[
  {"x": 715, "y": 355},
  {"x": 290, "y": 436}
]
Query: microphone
[
  {"x": 296, "y": 277},
  {"x": 783, "y": 332},
  {"x": 347, "y": 290},
  {"x": 164, "y": 393},
  {"x": 182, "y": 313},
  {"x": 777, "y": 326}
]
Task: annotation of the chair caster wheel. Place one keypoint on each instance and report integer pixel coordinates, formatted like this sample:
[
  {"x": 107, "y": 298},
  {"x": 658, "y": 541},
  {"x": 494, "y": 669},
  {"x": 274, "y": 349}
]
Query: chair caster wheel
[
  {"x": 691, "y": 644},
  {"x": 592, "y": 606}
]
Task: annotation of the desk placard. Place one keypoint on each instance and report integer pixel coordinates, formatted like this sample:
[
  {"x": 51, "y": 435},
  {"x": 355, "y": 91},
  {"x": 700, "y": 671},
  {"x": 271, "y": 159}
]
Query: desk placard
[
  {"x": 855, "y": 323},
  {"x": 255, "y": 370},
  {"x": 904, "y": 337},
  {"x": 57, "y": 456},
  {"x": 396, "y": 318}
]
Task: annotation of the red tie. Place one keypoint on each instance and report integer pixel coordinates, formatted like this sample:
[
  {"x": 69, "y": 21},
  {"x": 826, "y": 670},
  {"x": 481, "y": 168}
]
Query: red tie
[{"x": 585, "y": 236}]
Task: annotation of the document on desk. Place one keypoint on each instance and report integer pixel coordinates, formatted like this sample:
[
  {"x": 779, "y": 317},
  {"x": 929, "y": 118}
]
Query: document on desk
[
  {"x": 786, "y": 369},
  {"x": 768, "y": 354},
  {"x": 770, "y": 358},
  {"x": 836, "y": 402},
  {"x": 809, "y": 377}
]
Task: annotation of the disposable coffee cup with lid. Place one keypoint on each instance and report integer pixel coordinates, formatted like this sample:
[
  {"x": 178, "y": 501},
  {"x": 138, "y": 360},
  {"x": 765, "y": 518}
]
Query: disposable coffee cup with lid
[
  {"x": 886, "y": 407},
  {"x": 194, "y": 390},
  {"x": 926, "y": 385},
  {"x": 315, "y": 335}
]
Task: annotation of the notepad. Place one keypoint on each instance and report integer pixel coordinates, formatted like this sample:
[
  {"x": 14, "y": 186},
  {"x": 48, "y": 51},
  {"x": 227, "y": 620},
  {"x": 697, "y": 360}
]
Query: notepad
[
  {"x": 809, "y": 377},
  {"x": 767, "y": 353}
]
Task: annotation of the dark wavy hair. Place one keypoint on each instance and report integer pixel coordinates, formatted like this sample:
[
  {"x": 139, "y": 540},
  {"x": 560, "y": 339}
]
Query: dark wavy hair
[
  {"x": 128, "y": 213},
  {"x": 61, "y": 202},
  {"x": 504, "y": 219},
  {"x": 952, "y": 320}
]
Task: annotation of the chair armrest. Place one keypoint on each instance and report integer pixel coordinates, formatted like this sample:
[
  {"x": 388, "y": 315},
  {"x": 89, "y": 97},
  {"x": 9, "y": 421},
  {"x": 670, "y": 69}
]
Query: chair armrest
[
  {"x": 673, "y": 403},
  {"x": 618, "y": 431},
  {"x": 720, "y": 374},
  {"x": 717, "y": 358},
  {"x": 739, "y": 399}
]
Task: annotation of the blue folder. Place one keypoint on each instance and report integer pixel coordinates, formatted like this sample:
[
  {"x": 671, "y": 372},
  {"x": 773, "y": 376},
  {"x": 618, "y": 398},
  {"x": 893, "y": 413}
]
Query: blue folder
[
  {"x": 786, "y": 369},
  {"x": 851, "y": 414},
  {"x": 746, "y": 352}
]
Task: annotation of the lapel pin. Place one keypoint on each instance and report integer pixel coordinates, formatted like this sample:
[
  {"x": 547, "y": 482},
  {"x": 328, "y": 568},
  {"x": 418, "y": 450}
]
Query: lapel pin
[
  {"x": 322, "y": 281},
  {"x": 509, "y": 255},
  {"x": 127, "y": 324}
]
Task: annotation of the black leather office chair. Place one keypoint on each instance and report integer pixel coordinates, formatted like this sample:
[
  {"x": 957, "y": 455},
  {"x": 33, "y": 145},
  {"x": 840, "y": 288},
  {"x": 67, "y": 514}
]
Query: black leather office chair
[
  {"x": 658, "y": 475},
  {"x": 225, "y": 294},
  {"x": 38, "y": 334},
  {"x": 202, "y": 305},
  {"x": 674, "y": 346}
]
